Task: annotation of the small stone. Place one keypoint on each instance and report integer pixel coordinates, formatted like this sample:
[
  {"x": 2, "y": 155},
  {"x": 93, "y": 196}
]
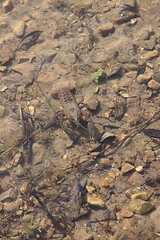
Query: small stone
[
  {"x": 155, "y": 219},
  {"x": 149, "y": 156},
  {"x": 151, "y": 54},
  {"x": 3, "y": 68},
  {"x": 126, "y": 213},
  {"x": 140, "y": 206},
  {"x": 18, "y": 28},
  {"x": 127, "y": 168},
  {"x": 153, "y": 85},
  {"x": 3, "y": 88},
  {"x": 133, "y": 21},
  {"x": 156, "y": 164},
  {"x": 38, "y": 152},
  {"x": 17, "y": 159},
  {"x": 7, "y": 6},
  {"x": 50, "y": 232},
  {"x": 125, "y": 95},
  {"x": 91, "y": 102},
  {"x": 31, "y": 110},
  {"x": 144, "y": 78},
  {"x": 104, "y": 182},
  {"x": 69, "y": 143},
  {"x": 3, "y": 170},
  {"x": 95, "y": 201},
  {"x": 136, "y": 179},
  {"x": 20, "y": 171},
  {"x": 106, "y": 28},
  {"x": 90, "y": 189},
  {"x": 2, "y": 111},
  {"x": 6, "y": 195},
  {"x": 140, "y": 195},
  {"x": 139, "y": 169},
  {"x": 12, "y": 206},
  {"x": 106, "y": 162}
]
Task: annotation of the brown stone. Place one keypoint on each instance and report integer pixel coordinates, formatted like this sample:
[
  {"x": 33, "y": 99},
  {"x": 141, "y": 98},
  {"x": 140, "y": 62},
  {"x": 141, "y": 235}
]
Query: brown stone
[
  {"x": 140, "y": 206},
  {"x": 136, "y": 179},
  {"x": 8, "y": 6},
  {"x": 156, "y": 164},
  {"x": 153, "y": 85},
  {"x": 106, "y": 162},
  {"x": 126, "y": 213},
  {"x": 127, "y": 168}
]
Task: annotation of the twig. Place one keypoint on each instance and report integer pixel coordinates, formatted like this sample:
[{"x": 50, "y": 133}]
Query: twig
[{"x": 132, "y": 134}]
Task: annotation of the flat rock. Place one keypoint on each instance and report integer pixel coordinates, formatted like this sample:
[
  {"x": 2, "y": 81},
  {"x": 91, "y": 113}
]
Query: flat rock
[
  {"x": 95, "y": 201},
  {"x": 3, "y": 170},
  {"x": 12, "y": 206},
  {"x": 126, "y": 213},
  {"x": 6, "y": 195},
  {"x": 38, "y": 153},
  {"x": 153, "y": 85},
  {"x": 106, "y": 28},
  {"x": 91, "y": 102},
  {"x": 127, "y": 168},
  {"x": 144, "y": 78},
  {"x": 106, "y": 162},
  {"x": 18, "y": 28},
  {"x": 136, "y": 179},
  {"x": 140, "y": 206},
  {"x": 140, "y": 195}
]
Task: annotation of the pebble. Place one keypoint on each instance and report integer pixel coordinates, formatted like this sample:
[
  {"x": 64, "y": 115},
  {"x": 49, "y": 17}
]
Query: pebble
[
  {"x": 38, "y": 152},
  {"x": 20, "y": 171},
  {"x": 139, "y": 169},
  {"x": 106, "y": 162},
  {"x": 12, "y": 206},
  {"x": 3, "y": 68},
  {"x": 144, "y": 78},
  {"x": 3, "y": 170},
  {"x": 127, "y": 168},
  {"x": 2, "y": 111},
  {"x": 69, "y": 143},
  {"x": 140, "y": 206},
  {"x": 90, "y": 189},
  {"x": 19, "y": 28},
  {"x": 136, "y": 179},
  {"x": 106, "y": 28},
  {"x": 91, "y": 102},
  {"x": 17, "y": 159},
  {"x": 7, "y": 6},
  {"x": 6, "y": 195},
  {"x": 126, "y": 213},
  {"x": 153, "y": 85},
  {"x": 151, "y": 54},
  {"x": 155, "y": 219},
  {"x": 140, "y": 195},
  {"x": 95, "y": 201},
  {"x": 149, "y": 156}
]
